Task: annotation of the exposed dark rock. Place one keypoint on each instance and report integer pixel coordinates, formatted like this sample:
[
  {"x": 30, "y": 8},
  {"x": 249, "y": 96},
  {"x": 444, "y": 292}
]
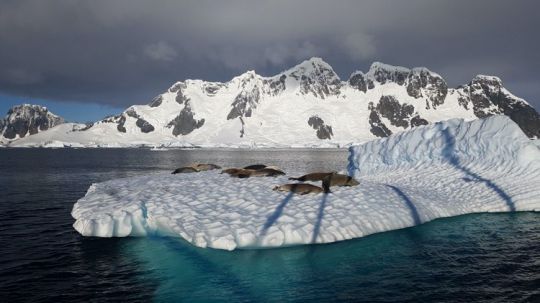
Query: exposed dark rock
[
  {"x": 358, "y": 81},
  {"x": 320, "y": 81},
  {"x": 315, "y": 121},
  {"x": 184, "y": 123},
  {"x": 156, "y": 101},
  {"x": 414, "y": 88},
  {"x": 120, "y": 120},
  {"x": 180, "y": 98},
  {"x": 244, "y": 103},
  {"x": 144, "y": 125},
  {"x": 398, "y": 114},
  {"x": 87, "y": 126},
  {"x": 419, "y": 82},
  {"x": 110, "y": 119},
  {"x": 120, "y": 127},
  {"x": 481, "y": 106},
  {"x": 323, "y": 131},
  {"x": 242, "y": 130},
  {"x": 370, "y": 84},
  {"x": 526, "y": 117},
  {"x": 485, "y": 92},
  {"x": 211, "y": 89},
  {"x": 424, "y": 83},
  {"x": 27, "y": 119},
  {"x": 178, "y": 89},
  {"x": 274, "y": 87},
  {"x": 178, "y": 86},
  {"x": 417, "y": 121},
  {"x": 488, "y": 91},
  {"x": 377, "y": 126},
  {"x": 247, "y": 100},
  {"x": 383, "y": 73},
  {"x": 132, "y": 113},
  {"x": 463, "y": 101},
  {"x": 242, "y": 106},
  {"x": 17, "y": 127},
  {"x": 318, "y": 87},
  {"x": 436, "y": 91}
]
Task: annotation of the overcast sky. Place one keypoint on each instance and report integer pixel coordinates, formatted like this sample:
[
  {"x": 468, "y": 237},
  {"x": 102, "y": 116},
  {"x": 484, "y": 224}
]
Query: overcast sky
[{"x": 124, "y": 52}]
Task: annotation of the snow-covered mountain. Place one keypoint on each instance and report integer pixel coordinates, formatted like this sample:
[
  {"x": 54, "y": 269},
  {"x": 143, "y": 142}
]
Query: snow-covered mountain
[
  {"x": 25, "y": 120},
  {"x": 307, "y": 105}
]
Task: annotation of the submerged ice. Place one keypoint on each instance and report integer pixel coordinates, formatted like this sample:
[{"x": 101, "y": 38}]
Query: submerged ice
[{"x": 441, "y": 170}]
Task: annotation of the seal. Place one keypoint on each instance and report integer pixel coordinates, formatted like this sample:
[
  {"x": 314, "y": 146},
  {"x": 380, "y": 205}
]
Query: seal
[
  {"x": 205, "y": 166},
  {"x": 196, "y": 167},
  {"x": 234, "y": 172},
  {"x": 185, "y": 169},
  {"x": 242, "y": 173},
  {"x": 246, "y": 173},
  {"x": 300, "y": 188},
  {"x": 231, "y": 171},
  {"x": 255, "y": 166},
  {"x": 267, "y": 172},
  {"x": 338, "y": 180},
  {"x": 312, "y": 177}
]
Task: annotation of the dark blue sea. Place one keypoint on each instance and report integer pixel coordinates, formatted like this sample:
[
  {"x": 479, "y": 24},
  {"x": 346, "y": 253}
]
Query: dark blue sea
[{"x": 472, "y": 258}]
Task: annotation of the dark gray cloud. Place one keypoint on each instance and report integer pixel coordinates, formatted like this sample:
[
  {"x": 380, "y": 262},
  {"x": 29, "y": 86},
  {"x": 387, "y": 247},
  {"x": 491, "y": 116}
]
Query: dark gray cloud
[{"x": 126, "y": 51}]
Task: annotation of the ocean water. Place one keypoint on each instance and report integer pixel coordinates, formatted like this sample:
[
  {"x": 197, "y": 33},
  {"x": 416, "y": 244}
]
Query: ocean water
[{"x": 480, "y": 257}]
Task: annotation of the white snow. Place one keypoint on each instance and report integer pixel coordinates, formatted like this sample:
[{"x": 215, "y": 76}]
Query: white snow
[
  {"x": 379, "y": 66},
  {"x": 277, "y": 120},
  {"x": 447, "y": 169}
]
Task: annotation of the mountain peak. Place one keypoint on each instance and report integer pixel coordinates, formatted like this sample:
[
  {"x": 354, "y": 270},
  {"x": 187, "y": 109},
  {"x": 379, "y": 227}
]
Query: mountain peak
[
  {"x": 379, "y": 66},
  {"x": 493, "y": 80},
  {"x": 310, "y": 65},
  {"x": 21, "y": 107},
  {"x": 27, "y": 119},
  {"x": 247, "y": 75},
  {"x": 317, "y": 61}
]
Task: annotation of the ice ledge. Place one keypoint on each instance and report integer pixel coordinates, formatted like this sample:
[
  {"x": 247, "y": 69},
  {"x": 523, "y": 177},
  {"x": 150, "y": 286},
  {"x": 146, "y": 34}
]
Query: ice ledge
[
  {"x": 213, "y": 210},
  {"x": 493, "y": 141}
]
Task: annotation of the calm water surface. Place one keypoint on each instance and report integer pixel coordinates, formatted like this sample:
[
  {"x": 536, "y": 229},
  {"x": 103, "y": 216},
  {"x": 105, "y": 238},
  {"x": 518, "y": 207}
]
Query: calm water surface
[{"x": 483, "y": 257}]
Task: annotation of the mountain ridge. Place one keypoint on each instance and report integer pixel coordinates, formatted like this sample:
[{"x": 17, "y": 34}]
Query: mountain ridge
[
  {"x": 26, "y": 120},
  {"x": 306, "y": 105}
]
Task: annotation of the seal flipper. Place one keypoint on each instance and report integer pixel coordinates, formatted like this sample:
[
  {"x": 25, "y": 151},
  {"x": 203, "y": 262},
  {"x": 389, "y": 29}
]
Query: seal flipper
[{"x": 326, "y": 183}]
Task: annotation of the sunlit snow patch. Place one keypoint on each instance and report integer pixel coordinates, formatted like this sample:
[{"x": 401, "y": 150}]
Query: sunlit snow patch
[{"x": 441, "y": 170}]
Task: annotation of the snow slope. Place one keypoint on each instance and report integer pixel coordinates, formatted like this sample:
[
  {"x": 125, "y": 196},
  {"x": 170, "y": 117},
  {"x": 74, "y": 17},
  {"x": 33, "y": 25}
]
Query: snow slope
[
  {"x": 441, "y": 170},
  {"x": 307, "y": 105}
]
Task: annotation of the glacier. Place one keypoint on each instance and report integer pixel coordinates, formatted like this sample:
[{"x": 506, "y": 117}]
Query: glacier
[{"x": 434, "y": 171}]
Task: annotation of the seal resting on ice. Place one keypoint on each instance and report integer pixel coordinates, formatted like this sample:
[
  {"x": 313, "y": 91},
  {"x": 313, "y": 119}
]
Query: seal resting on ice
[
  {"x": 196, "y": 167},
  {"x": 339, "y": 180},
  {"x": 318, "y": 176},
  {"x": 300, "y": 188}
]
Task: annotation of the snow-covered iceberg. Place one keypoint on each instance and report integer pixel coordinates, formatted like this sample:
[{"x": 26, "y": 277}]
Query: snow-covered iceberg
[{"x": 441, "y": 170}]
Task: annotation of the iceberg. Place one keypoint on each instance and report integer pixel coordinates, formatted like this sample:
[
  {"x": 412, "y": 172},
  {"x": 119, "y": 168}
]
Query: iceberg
[{"x": 445, "y": 169}]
